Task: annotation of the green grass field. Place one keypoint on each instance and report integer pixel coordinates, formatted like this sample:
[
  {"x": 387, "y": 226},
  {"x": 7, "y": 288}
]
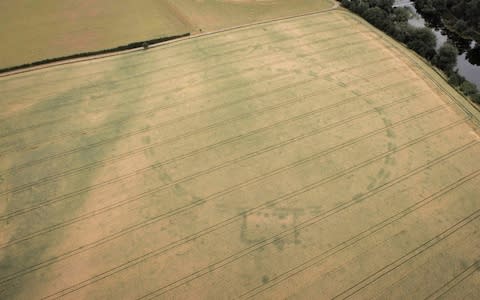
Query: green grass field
[{"x": 309, "y": 158}]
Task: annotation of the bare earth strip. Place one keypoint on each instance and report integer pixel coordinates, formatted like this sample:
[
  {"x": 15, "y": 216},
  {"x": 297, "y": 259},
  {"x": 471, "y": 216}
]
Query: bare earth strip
[{"x": 309, "y": 158}]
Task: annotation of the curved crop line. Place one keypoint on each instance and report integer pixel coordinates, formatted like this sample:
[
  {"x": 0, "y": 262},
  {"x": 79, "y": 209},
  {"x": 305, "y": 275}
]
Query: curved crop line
[
  {"x": 307, "y": 188},
  {"x": 177, "y": 89},
  {"x": 137, "y": 150},
  {"x": 289, "y": 101},
  {"x": 477, "y": 211},
  {"x": 477, "y": 171},
  {"x": 425, "y": 73},
  {"x": 193, "y": 176},
  {"x": 330, "y": 252},
  {"x": 317, "y": 259},
  {"x": 222, "y": 193},
  {"x": 129, "y": 118},
  {"x": 279, "y": 123},
  {"x": 162, "y": 107},
  {"x": 105, "y": 209}
]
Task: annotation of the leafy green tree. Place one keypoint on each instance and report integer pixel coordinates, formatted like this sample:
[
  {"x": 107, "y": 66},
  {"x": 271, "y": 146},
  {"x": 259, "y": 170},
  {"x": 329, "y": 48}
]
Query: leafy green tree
[
  {"x": 401, "y": 14},
  {"x": 463, "y": 16},
  {"x": 386, "y": 5},
  {"x": 473, "y": 55},
  {"x": 377, "y": 17},
  {"x": 476, "y": 98},
  {"x": 422, "y": 41},
  {"x": 394, "y": 21},
  {"x": 359, "y": 7},
  {"x": 468, "y": 88},
  {"x": 346, "y": 3},
  {"x": 455, "y": 79},
  {"x": 446, "y": 58}
]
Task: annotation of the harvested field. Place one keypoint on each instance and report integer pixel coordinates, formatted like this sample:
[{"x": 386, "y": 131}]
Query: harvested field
[
  {"x": 57, "y": 28},
  {"x": 311, "y": 157},
  {"x": 37, "y": 30},
  {"x": 208, "y": 15}
]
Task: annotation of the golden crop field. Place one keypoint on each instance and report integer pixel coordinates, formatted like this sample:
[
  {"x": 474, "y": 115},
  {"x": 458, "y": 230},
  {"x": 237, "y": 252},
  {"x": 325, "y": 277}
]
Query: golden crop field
[
  {"x": 38, "y": 30},
  {"x": 310, "y": 158}
]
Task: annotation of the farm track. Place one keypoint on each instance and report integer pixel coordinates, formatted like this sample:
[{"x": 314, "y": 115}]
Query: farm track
[{"x": 271, "y": 181}]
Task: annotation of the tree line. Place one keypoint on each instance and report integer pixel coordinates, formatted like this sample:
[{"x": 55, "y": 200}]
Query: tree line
[
  {"x": 461, "y": 21},
  {"x": 394, "y": 22}
]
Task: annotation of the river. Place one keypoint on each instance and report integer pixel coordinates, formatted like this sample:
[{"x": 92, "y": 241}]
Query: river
[{"x": 468, "y": 68}]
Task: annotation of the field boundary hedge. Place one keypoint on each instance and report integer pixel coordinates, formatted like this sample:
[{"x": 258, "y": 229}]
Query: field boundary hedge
[{"x": 130, "y": 46}]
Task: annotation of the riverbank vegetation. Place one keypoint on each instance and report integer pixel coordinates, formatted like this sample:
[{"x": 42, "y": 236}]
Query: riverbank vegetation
[
  {"x": 460, "y": 16},
  {"x": 394, "y": 22}
]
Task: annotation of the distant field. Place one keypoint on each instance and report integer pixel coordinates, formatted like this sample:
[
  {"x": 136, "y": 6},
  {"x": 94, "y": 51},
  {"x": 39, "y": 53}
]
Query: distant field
[
  {"x": 209, "y": 15},
  {"x": 311, "y": 158},
  {"x": 37, "y": 30}
]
